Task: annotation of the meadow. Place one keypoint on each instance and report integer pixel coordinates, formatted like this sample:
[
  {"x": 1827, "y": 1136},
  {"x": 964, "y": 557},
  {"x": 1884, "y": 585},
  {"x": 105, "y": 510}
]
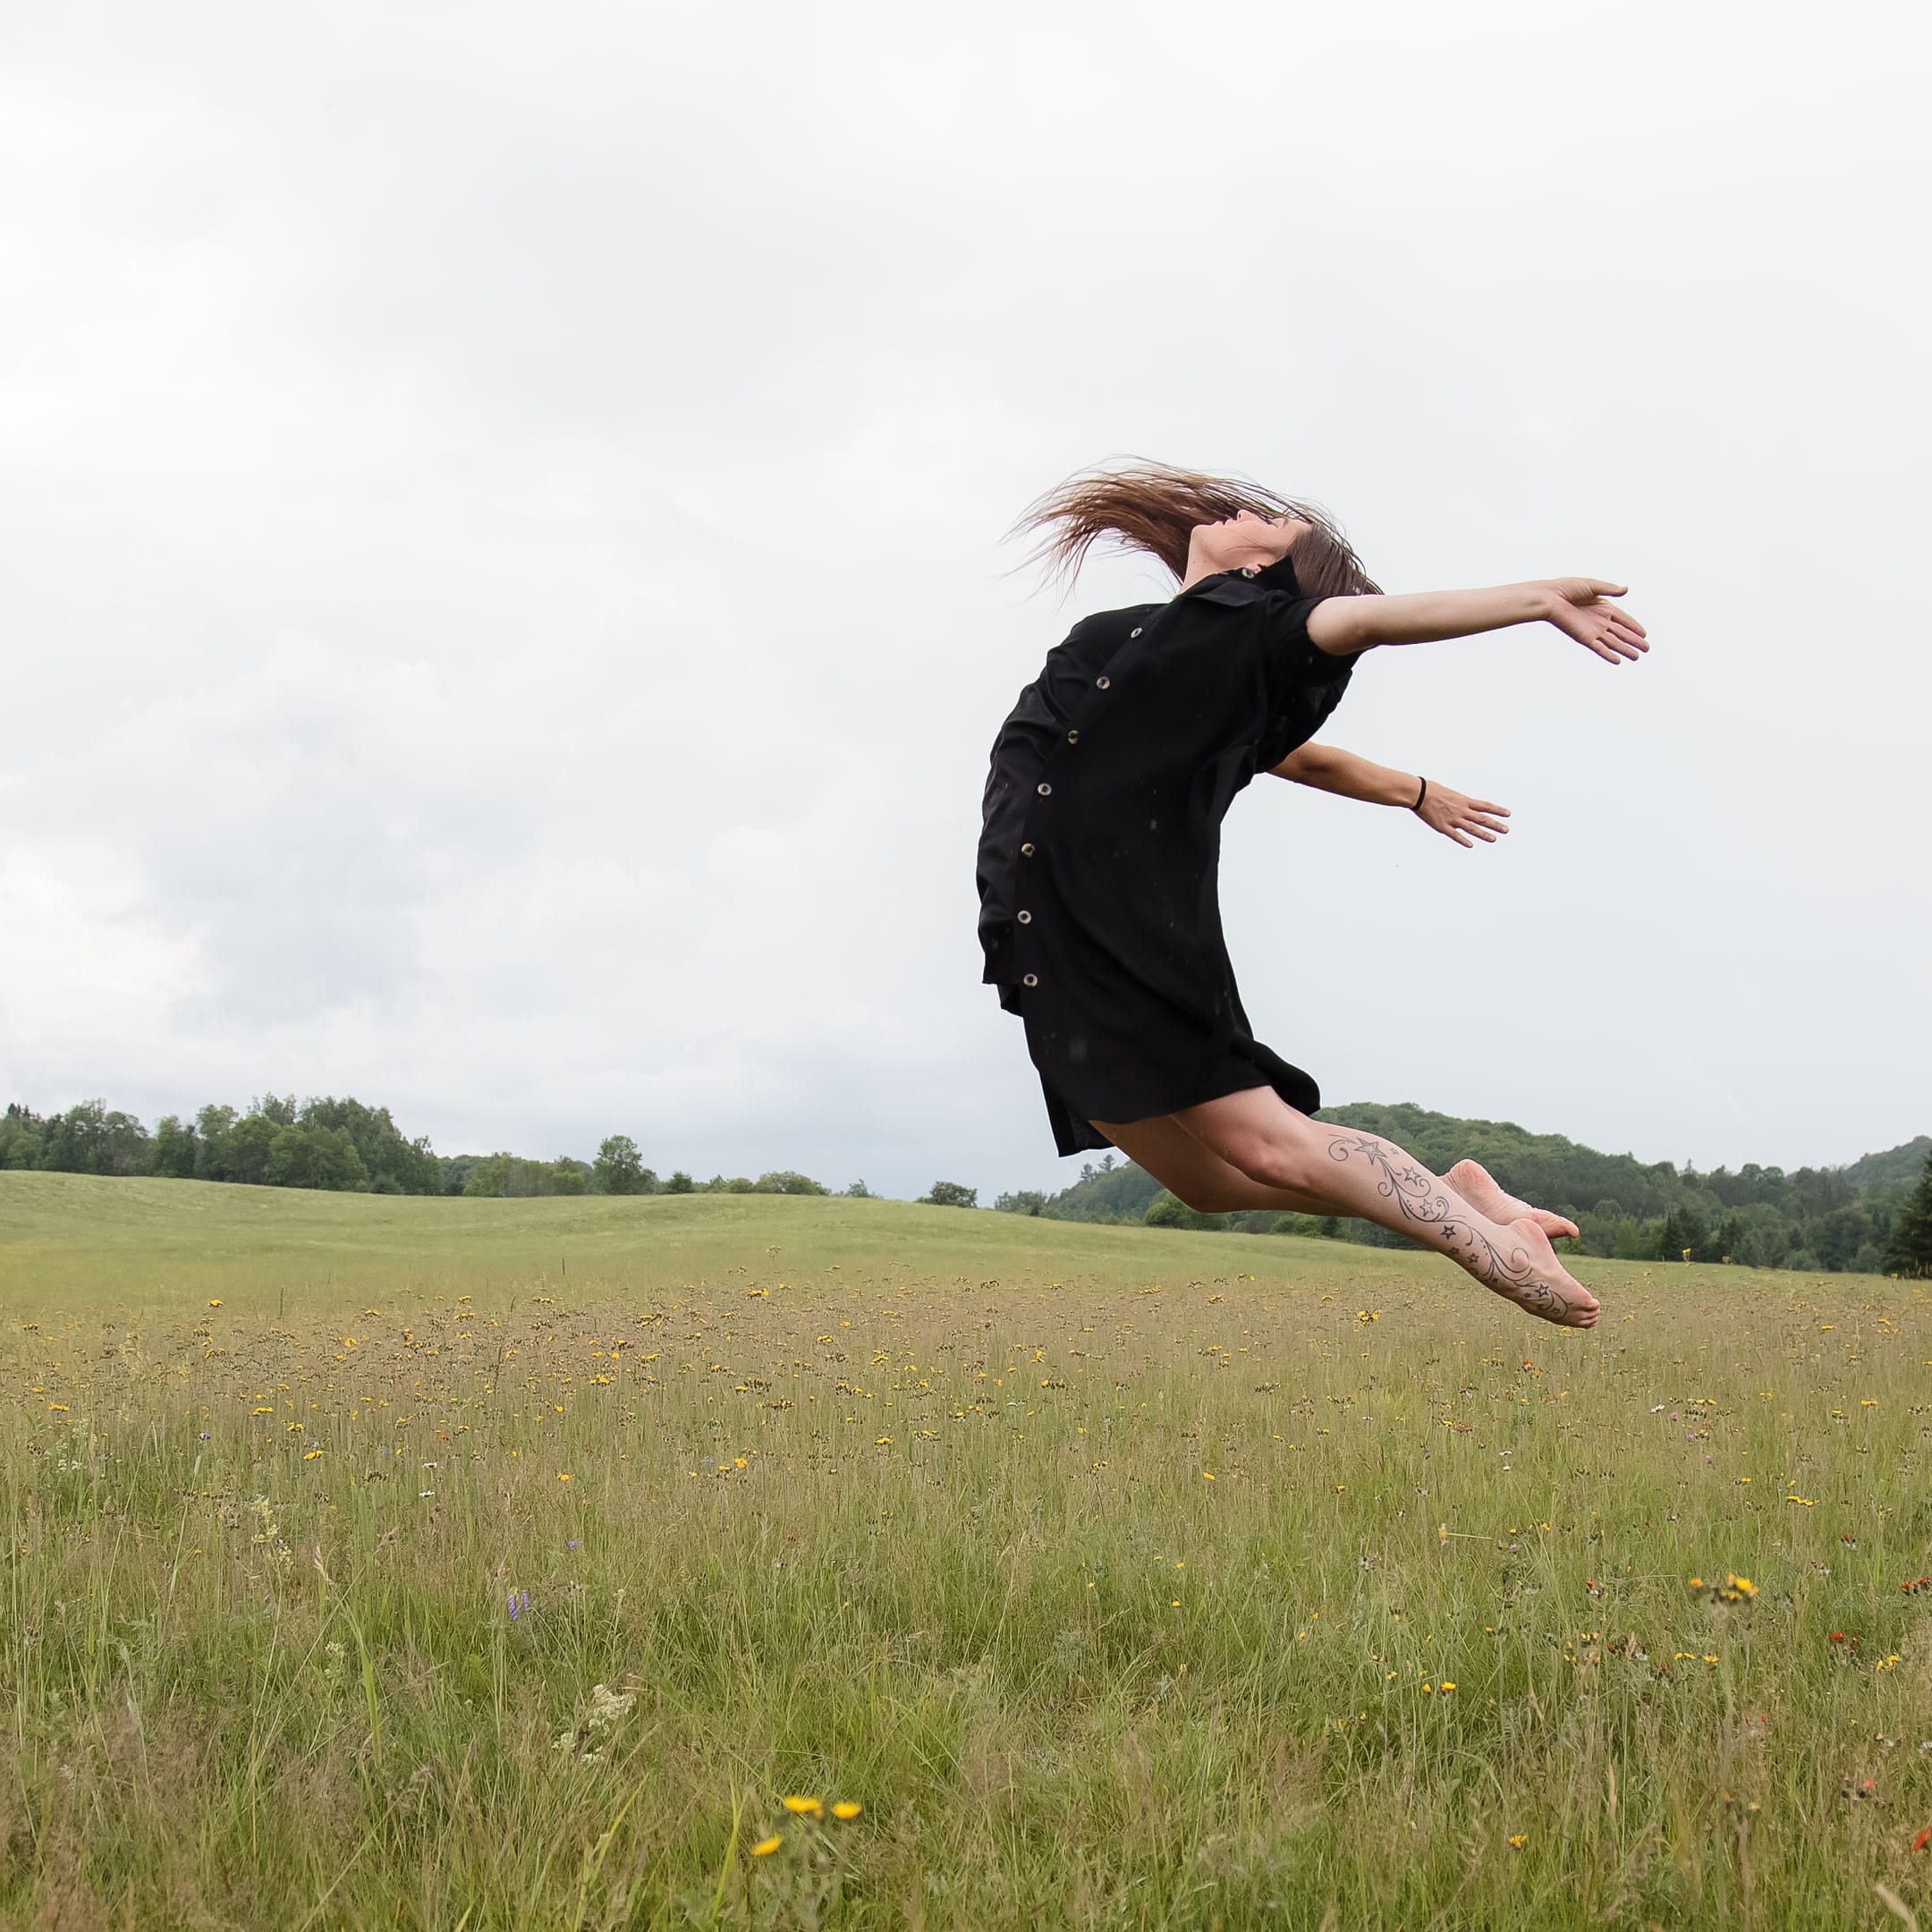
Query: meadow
[{"x": 758, "y": 1561}]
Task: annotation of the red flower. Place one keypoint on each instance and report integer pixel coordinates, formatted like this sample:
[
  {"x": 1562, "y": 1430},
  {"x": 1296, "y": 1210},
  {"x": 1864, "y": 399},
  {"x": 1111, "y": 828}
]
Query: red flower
[{"x": 1923, "y": 1839}]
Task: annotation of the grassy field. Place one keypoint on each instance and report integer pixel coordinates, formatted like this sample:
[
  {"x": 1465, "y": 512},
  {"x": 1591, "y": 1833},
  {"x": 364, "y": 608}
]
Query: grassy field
[{"x": 486, "y": 1563}]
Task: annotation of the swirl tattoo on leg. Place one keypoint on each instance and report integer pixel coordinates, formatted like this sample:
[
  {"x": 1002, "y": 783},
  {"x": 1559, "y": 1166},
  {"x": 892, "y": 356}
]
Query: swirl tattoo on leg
[{"x": 1417, "y": 1196}]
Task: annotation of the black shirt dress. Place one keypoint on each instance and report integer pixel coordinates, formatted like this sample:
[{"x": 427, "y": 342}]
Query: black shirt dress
[{"x": 1099, "y": 913}]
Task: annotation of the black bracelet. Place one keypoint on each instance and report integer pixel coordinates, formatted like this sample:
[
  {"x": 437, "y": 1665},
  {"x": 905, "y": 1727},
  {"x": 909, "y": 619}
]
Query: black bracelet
[{"x": 1419, "y": 796}]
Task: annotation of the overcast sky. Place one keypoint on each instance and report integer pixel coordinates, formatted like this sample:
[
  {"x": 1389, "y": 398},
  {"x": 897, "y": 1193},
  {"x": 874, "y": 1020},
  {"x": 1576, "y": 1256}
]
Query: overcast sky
[{"x": 502, "y": 611}]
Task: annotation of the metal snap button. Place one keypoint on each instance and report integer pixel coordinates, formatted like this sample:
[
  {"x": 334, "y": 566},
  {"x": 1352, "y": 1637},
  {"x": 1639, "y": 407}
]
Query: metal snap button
[
  {"x": 1026, "y": 852},
  {"x": 1025, "y": 919},
  {"x": 1104, "y": 683},
  {"x": 1073, "y": 737},
  {"x": 1030, "y": 980},
  {"x": 1046, "y": 790},
  {"x": 1135, "y": 632}
]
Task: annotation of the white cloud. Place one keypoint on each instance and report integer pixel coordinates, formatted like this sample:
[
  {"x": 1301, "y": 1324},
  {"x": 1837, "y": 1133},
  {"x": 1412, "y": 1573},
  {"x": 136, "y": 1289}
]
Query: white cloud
[{"x": 499, "y": 586}]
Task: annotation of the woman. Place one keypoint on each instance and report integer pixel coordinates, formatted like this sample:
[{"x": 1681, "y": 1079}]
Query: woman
[{"x": 1098, "y": 910}]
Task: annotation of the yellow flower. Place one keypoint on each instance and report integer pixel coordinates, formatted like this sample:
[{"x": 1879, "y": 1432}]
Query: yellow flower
[
  {"x": 561, "y": 1476},
  {"x": 1697, "y": 1582},
  {"x": 1206, "y": 1477},
  {"x": 1518, "y": 1840},
  {"x": 764, "y": 1847},
  {"x": 806, "y": 1807},
  {"x": 847, "y": 1808},
  {"x": 217, "y": 1303},
  {"x": 1448, "y": 1683}
]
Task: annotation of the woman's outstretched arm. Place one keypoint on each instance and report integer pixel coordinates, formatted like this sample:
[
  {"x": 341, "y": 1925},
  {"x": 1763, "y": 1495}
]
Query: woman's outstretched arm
[
  {"x": 1577, "y": 606},
  {"x": 1329, "y": 768}
]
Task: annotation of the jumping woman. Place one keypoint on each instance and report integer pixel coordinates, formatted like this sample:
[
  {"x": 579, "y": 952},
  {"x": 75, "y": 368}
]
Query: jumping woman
[{"x": 1099, "y": 913}]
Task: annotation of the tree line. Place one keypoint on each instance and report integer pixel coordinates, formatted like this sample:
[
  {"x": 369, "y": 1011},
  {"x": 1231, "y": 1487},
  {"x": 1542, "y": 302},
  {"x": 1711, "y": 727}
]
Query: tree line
[
  {"x": 339, "y": 1146},
  {"x": 1872, "y": 1216}
]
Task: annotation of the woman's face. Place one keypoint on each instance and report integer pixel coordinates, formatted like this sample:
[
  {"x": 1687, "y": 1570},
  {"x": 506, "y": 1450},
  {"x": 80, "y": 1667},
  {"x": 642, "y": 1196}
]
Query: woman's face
[{"x": 1243, "y": 541}]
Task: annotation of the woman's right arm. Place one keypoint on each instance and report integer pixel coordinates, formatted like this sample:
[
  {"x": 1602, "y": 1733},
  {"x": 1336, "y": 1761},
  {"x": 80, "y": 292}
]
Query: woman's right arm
[{"x": 1579, "y": 607}]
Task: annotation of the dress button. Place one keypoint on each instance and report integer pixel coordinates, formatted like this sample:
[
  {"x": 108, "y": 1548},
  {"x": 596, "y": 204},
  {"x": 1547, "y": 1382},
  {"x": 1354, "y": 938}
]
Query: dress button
[
  {"x": 1030, "y": 980},
  {"x": 1044, "y": 791},
  {"x": 1026, "y": 852},
  {"x": 1073, "y": 737},
  {"x": 1104, "y": 683},
  {"x": 1135, "y": 632},
  {"x": 1025, "y": 919}
]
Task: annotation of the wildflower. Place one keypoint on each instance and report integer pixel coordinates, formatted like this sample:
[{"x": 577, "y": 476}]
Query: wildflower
[
  {"x": 518, "y": 1603},
  {"x": 561, "y": 1476},
  {"x": 764, "y": 1847},
  {"x": 1518, "y": 1840},
  {"x": 805, "y": 1807},
  {"x": 847, "y": 1808},
  {"x": 1207, "y": 1476},
  {"x": 216, "y": 1302}
]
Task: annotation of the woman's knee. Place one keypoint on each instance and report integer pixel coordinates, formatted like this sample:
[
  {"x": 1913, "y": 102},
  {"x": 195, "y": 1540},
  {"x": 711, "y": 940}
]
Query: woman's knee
[{"x": 1289, "y": 1160}]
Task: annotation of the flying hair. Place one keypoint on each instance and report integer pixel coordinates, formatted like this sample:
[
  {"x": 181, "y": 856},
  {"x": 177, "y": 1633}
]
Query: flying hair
[{"x": 1155, "y": 507}]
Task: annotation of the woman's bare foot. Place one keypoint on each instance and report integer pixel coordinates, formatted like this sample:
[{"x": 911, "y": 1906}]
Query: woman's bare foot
[
  {"x": 1475, "y": 1185},
  {"x": 1522, "y": 1267}
]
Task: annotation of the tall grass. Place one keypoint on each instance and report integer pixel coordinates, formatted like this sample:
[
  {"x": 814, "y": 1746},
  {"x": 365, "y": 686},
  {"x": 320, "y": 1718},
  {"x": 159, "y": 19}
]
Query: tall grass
[{"x": 477, "y": 1563}]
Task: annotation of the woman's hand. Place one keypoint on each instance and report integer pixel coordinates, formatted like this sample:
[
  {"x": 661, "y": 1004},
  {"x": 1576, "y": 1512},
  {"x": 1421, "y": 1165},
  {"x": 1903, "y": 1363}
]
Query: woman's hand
[
  {"x": 1462, "y": 819},
  {"x": 1579, "y": 609}
]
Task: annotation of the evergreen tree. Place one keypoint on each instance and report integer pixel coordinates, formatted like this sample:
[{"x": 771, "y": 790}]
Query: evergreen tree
[{"x": 1910, "y": 1252}]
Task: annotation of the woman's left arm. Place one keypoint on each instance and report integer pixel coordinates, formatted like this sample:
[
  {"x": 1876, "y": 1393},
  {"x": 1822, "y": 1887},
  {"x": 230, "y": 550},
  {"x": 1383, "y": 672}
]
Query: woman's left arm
[{"x": 1329, "y": 768}]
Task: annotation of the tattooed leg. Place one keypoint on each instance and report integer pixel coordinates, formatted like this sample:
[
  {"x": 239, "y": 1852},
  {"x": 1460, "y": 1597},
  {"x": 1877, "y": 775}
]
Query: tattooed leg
[
  {"x": 1512, "y": 1257},
  {"x": 1365, "y": 1175},
  {"x": 1473, "y": 1182}
]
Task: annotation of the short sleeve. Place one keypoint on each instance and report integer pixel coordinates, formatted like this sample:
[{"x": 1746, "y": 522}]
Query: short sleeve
[
  {"x": 1289, "y": 655},
  {"x": 1302, "y": 683}
]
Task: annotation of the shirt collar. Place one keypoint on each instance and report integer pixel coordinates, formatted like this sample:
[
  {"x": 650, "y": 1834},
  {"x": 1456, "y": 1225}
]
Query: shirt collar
[{"x": 1276, "y": 576}]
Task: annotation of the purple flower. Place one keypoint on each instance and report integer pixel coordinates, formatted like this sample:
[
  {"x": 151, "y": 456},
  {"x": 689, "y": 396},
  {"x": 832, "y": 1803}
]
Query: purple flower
[
  {"x": 518, "y": 1603},
  {"x": 572, "y": 1544}
]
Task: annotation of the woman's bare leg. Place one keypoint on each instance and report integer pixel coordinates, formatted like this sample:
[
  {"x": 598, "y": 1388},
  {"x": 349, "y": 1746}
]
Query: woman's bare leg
[
  {"x": 1192, "y": 1171},
  {"x": 1352, "y": 1173}
]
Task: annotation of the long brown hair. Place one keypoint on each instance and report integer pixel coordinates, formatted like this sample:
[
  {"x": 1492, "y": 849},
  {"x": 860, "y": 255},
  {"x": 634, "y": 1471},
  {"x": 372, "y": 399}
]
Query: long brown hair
[{"x": 1155, "y": 507}]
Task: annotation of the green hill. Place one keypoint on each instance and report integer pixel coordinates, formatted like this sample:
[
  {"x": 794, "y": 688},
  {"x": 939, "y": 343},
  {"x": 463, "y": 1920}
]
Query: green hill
[{"x": 1830, "y": 1219}]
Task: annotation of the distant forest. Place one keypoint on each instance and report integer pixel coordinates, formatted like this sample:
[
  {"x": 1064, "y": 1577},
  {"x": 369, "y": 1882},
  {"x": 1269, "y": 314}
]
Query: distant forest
[
  {"x": 1825, "y": 1220},
  {"x": 338, "y": 1146},
  {"x": 1873, "y": 1217}
]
